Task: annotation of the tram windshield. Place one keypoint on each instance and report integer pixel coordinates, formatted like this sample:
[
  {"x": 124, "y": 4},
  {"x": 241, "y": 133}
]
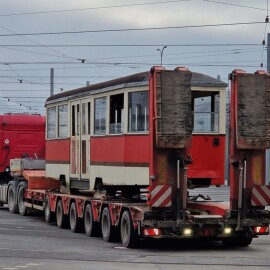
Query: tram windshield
[{"x": 205, "y": 111}]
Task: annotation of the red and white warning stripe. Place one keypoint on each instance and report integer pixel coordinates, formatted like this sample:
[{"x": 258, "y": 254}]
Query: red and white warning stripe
[
  {"x": 151, "y": 232},
  {"x": 161, "y": 196},
  {"x": 260, "y": 196}
]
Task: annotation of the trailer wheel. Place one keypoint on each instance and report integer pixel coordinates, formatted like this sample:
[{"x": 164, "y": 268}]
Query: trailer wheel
[
  {"x": 48, "y": 214},
  {"x": 91, "y": 227},
  {"x": 12, "y": 204},
  {"x": 109, "y": 232},
  {"x": 241, "y": 241},
  {"x": 129, "y": 236},
  {"x": 74, "y": 221},
  {"x": 61, "y": 218},
  {"x": 21, "y": 207}
]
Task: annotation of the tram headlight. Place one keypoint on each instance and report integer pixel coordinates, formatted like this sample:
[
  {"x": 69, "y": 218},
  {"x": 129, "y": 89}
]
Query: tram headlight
[{"x": 227, "y": 230}]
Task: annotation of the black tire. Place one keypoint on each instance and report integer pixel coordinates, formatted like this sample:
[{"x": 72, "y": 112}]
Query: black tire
[
  {"x": 48, "y": 214},
  {"x": 109, "y": 232},
  {"x": 61, "y": 218},
  {"x": 240, "y": 241},
  {"x": 12, "y": 202},
  {"x": 74, "y": 221},
  {"x": 23, "y": 211},
  {"x": 129, "y": 236},
  {"x": 91, "y": 227}
]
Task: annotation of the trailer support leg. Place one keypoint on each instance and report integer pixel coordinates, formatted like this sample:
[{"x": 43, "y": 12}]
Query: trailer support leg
[
  {"x": 181, "y": 190},
  {"x": 240, "y": 196}
]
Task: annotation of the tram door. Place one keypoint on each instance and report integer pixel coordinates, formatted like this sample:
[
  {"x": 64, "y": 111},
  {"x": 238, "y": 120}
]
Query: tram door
[{"x": 80, "y": 140}]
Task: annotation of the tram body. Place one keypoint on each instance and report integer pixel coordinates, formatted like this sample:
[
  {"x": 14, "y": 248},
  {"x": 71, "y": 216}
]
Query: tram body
[{"x": 98, "y": 135}]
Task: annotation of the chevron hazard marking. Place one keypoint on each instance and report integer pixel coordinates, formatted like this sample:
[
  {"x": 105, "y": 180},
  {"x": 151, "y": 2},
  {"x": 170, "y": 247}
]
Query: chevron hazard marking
[
  {"x": 161, "y": 196},
  {"x": 260, "y": 196}
]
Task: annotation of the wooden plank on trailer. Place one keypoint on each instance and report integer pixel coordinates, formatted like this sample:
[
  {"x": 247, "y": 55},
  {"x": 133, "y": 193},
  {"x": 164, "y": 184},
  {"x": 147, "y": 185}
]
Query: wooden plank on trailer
[
  {"x": 253, "y": 111},
  {"x": 37, "y": 180},
  {"x": 173, "y": 109}
]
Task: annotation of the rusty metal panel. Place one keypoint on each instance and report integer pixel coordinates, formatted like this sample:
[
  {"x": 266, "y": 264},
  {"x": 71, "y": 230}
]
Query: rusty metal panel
[
  {"x": 253, "y": 115},
  {"x": 173, "y": 109}
]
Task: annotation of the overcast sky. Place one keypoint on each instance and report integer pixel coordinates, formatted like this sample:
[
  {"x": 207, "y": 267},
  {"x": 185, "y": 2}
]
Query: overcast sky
[{"x": 89, "y": 32}]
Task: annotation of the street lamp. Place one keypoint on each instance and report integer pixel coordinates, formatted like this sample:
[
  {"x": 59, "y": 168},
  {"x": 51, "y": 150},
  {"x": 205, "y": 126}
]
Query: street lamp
[{"x": 161, "y": 53}]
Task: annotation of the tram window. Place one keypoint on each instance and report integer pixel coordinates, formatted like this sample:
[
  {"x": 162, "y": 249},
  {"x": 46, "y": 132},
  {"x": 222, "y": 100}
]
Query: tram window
[
  {"x": 84, "y": 119},
  {"x": 62, "y": 121},
  {"x": 51, "y": 123},
  {"x": 138, "y": 111},
  {"x": 78, "y": 119},
  {"x": 73, "y": 131},
  {"x": 116, "y": 114},
  {"x": 100, "y": 115},
  {"x": 205, "y": 111}
]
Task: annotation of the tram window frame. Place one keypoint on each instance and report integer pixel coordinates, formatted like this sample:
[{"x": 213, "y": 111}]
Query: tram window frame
[
  {"x": 100, "y": 129},
  {"x": 208, "y": 115},
  {"x": 116, "y": 121},
  {"x": 62, "y": 121},
  {"x": 84, "y": 124},
  {"x": 138, "y": 123},
  {"x": 51, "y": 123},
  {"x": 89, "y": 117}
]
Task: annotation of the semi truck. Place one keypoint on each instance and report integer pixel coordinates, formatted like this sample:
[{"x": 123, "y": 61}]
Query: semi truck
[
  {"x": 22, "y": 135},
  {"x": 118, "y": 155}
]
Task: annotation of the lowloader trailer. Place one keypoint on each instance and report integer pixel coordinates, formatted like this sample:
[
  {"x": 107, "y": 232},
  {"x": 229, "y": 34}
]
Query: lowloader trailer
[{"x": 163, "y": 208}]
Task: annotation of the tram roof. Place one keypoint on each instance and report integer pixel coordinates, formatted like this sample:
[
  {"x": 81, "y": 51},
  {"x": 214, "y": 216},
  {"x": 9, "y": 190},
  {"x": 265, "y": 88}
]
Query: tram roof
[{"x": 138, "y": 79}]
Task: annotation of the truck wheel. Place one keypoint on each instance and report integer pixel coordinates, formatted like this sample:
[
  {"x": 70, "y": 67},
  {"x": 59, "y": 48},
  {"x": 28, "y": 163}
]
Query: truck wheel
[
  {"x": 108, "y": 231},
  {"x": 21, "y": 207},
  {"x": 61, "y": 218},
  {"x": 74, "y": 221},
  {"x": 129, "y": 236},
  {"x": 241, "y": 241},
  {"x": 91, "y": 227},
  {"x": 12, "y": 204},
  {"x": 48, "y": 214}
]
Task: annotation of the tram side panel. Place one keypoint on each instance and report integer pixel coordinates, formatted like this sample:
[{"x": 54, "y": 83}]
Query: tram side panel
[{"x": 120, "y": 160}]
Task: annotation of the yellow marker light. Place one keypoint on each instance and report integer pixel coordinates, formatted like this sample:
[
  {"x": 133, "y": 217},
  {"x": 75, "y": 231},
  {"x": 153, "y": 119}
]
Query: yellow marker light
[
  {"x": 227, "y": 230},
  {"x": 187, "y": 231}
]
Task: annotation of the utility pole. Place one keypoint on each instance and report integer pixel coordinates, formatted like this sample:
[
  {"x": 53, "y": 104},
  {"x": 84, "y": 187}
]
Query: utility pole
[{"x": 267, "y": 159}]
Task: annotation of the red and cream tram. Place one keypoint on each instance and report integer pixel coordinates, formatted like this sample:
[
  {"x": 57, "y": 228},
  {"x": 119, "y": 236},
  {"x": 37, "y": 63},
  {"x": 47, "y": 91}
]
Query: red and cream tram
[{"x": 98, "y": 135}]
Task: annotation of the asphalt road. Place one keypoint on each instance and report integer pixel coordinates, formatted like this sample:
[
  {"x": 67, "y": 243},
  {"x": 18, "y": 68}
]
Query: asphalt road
[{"x": 30, "y": 243}]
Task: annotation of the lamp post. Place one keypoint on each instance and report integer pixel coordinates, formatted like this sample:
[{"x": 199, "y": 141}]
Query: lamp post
[{"x": 161, "y": 53}]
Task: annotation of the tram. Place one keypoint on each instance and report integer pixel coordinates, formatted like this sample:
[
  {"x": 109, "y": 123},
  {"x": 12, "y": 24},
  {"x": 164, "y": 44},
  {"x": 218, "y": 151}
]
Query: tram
[{"x": 97, "y": 137}]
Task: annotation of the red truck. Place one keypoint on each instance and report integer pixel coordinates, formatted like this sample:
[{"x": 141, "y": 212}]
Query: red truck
[
  {"x": 118, "y": 155},
  {"x": 21, "y": 136}
]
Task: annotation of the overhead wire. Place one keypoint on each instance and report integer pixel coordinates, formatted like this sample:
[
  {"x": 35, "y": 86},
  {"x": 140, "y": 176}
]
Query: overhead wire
[
  {"x": 122, "y": 6},
  {"x": 235, "y": 5},
  {"x": 131, "y": 29},
  {"x": 92, "y": 8},
  {"x": 41, "y": 45}
]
